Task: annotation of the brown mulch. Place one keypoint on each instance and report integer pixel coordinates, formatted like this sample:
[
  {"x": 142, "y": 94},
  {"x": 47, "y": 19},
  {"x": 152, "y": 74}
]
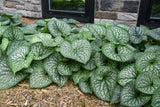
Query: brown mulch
[
  {"x": 28, "y": 20},
  {"x": 52, "y": 96}
]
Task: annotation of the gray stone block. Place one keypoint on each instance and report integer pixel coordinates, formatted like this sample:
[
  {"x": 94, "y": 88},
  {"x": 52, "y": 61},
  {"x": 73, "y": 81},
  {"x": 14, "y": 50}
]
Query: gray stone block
[
  {"x": 25, "y": 13},
  {"x": 130, "y": 6},
  {"x": 130, "y": 23},
  {"x": 106, "y": 20},
  {"x": 127, "y": 16},
  {"x": 36, "y": 2},
  {"x": 36, "y": 14},
  {"x": 106, "y": 15},
  {"x": 10, "y": 4},
  {"x": 37, "y": 8},
  {"x": 32, "y": 7},
  {"x": 28, "y": 6},
  {"x": 9, "y": 10},
  {"x": 106, "y": 5},
  {"x": 21, "y": 7}
]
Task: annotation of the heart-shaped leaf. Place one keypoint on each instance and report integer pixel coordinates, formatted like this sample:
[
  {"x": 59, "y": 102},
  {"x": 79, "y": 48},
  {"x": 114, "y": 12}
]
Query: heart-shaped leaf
[
  {"x": 30, "y": 29},
  {"x": 101, "y": 60},
  {"x": 147, "y": 82},
  {"x": 103, "y": 82},
  {"x": 97, "y": 30},
  {"x": 85, "y": 87},
  {"x": 58, "y": 28},
  {"x": 44, "y": 38},
  {"x": 13, "y": 33},
  {"x": 137, "y": 35},
  {"x": 117, "y": 35},
  {"x": 127, "y": 75},
  {"x": 50, "y": 65},
  {"x": 64, "y": 68},
  {"x": 79, "y": 50},
  {"x": 20, "y": 58},
  {"x": 35, "y": 66},
  {"x": 148, "y": 62},
  {"x": 40, "y": 23},
  {"x": 7, "y": 78},
  {"x": 133, "y": 98},
  {"x": 90, "y": 65},
  {"x": 156, "y": 98},
  {"x": 40, "y": 52},
  {"x": 39, "y": 79},
  {"x": 81, "y": 76},
  {"x": 155, "y": 34},
  {"x": 13, "y": 45},
  {"x": 154, "y": 49},
  {"x": 120, "y": 53}
]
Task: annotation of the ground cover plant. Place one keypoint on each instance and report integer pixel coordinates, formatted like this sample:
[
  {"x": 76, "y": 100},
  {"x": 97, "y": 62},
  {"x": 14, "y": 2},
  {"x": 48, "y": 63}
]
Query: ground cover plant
[{"x": 115, "y": 62}]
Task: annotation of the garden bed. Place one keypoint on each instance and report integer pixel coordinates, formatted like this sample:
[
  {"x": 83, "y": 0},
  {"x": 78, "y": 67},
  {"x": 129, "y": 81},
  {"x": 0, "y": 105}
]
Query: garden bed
[{"x": 51, "y": 96}]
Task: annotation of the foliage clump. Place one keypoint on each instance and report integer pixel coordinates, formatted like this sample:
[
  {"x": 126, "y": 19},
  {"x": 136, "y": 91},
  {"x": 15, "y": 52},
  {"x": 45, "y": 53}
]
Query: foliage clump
[{"x": 115, "y": 62}]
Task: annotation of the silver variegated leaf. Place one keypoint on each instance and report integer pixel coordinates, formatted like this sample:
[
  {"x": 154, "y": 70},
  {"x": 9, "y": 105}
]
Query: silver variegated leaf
[
  {"x": 120, "y": 53},
  {"x": 58, "y": 28},
  {"x": 117, "y": 35},
  {"x": 147, "y": 82},
  {"x": 156, "y": 98},
  {"x": 131, "y": 97},
  {"x": 127, "y": 75},
  {"x": 41, "y": 52},
  {"x": 13, "y": 33},
  {"x": 7, "y": 78},
  {"x": 20, "y": 58},
  {"x": 50, "y": 65},
  {"x": 148, "y": 62},
  {"x": 79, "y": 50}
]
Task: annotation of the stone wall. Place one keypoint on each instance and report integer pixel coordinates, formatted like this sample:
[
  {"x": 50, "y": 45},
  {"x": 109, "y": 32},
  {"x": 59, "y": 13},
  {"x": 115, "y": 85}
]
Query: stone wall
[
  {"x": 29, "y": 8},
  {"x": 120, "y": 11}
]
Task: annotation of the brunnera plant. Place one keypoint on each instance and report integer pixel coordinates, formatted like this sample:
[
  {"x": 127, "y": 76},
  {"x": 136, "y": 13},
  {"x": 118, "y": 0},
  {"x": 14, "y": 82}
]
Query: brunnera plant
[{"x": 115, "y": 62}]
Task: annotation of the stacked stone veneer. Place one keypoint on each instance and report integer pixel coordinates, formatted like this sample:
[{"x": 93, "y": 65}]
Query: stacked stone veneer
[
  {"x": 120, "y": 11},
  {"x": 29, "y": 8}
]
